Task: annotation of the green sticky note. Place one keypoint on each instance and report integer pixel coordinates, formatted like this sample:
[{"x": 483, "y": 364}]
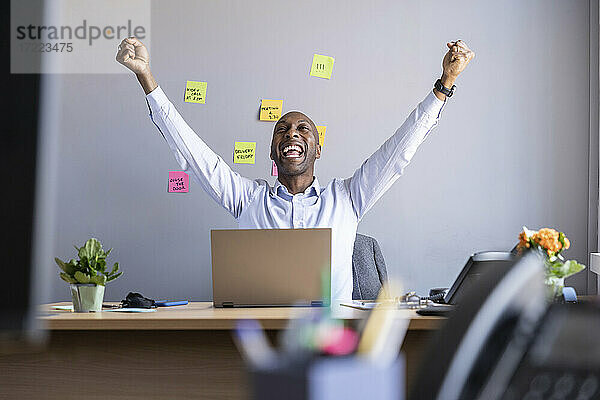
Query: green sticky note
[
  {"x": 195, "y": 92},
  {"x": 244, "y": 152},
  {"x": 322, "y": 66}
]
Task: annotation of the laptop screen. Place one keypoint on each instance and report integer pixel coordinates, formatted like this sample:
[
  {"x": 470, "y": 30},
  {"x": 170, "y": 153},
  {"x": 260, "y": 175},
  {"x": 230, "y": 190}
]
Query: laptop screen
[
  {"x": 472, "y": 271},
  {"x": 253, "y": 267}
]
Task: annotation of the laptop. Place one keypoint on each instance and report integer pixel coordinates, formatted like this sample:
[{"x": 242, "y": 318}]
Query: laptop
[
  {"x": 469, "y": 276},
  {"x": 270, "y": 267}
]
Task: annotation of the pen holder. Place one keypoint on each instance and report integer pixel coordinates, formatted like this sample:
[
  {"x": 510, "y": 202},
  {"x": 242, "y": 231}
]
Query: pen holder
[{"x": 329, "y": 378}]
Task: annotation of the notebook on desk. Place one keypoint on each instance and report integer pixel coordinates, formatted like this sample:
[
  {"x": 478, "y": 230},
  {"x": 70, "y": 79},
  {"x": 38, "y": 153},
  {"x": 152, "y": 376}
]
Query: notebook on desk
[{"x": 270, "y": 267}]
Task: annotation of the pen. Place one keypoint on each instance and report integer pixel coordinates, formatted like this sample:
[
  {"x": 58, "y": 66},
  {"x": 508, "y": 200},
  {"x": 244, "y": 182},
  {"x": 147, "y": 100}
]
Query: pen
[
  {"x": 384, "y": 333},
  {"x": 164, "y": 303}
]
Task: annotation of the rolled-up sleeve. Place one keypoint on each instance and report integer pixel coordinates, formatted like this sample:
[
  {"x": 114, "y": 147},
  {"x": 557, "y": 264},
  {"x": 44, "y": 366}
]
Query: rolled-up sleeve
[{"x": 194, "y": 157}]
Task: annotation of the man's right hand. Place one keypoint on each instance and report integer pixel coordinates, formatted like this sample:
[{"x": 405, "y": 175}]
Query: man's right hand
[{"x": 133, "y": 54}]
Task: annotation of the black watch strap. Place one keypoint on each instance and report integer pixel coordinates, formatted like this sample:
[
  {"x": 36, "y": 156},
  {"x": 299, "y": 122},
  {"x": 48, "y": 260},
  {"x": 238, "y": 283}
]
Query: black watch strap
[{"x": 443, "y": 89}]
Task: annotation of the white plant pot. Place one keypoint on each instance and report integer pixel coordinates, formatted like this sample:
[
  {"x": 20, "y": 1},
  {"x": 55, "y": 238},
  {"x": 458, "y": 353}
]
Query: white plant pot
[{"x": 87, "y": 297}]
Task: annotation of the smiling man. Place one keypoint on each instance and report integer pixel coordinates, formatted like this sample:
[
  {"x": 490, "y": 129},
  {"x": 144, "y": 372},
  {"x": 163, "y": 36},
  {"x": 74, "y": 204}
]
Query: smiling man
[
  {"x": 298, "y": 200},
  {"x": 294, "y": 148}
]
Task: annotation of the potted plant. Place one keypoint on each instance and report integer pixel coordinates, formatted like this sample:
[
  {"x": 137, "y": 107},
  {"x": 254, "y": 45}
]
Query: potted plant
[
  {"x": 88, "y": 275},
  {"x": 551, "y": 244}
]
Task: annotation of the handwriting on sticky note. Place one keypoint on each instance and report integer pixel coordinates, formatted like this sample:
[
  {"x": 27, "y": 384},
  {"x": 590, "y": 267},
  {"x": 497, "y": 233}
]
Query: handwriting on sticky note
[
  {"x": 270, "y": 110},
  {"x": 321, "y": 130},
  {"x": 274, "y": 169},
  {"x": 195, "y": 92},
  {"x": 244, "y": 152},
  {"x": 322, "y": 66},
  {"x": 179, "y": 182}
]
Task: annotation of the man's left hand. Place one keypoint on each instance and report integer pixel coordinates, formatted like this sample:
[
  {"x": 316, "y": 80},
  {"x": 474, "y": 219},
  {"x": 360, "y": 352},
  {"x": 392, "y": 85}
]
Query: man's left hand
[
  {"x": 457, "y": 58},
  {"x": 455, "y": 61}
]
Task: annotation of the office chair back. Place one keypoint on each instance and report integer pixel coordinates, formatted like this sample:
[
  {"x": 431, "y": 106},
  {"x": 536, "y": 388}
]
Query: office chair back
[{"x": 368, "y": 268}]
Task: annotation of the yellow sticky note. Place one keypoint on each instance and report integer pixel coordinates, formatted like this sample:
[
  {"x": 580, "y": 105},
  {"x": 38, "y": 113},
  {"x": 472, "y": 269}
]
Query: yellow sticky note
[
  {"x": 244, "y": 152},
  {"x": 321, "y": 130},
  {"x": 322, "y": 66},
  {"x": 270, "y": 110},
  {"x": 195, "y": 92}
]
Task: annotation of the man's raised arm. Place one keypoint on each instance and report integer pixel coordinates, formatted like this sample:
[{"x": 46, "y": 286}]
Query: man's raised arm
[
  {"x": 226, "y": 187},
  {"x": 387, "y": 164}
]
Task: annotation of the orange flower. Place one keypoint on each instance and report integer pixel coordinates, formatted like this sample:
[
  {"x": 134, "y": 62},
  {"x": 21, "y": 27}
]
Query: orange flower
[
  {"x": 523, "y": 241},
  {"x": 547, "y": 238}
]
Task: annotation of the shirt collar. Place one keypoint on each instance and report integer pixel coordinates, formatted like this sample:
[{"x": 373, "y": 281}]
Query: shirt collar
[{"x": 313, "y": 190}]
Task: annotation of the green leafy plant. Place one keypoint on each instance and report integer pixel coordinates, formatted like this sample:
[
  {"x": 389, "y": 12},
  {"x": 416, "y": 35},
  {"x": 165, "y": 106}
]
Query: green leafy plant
[
  {"x": 91, "y": 266},
  {"x": 557, "y": 270}
]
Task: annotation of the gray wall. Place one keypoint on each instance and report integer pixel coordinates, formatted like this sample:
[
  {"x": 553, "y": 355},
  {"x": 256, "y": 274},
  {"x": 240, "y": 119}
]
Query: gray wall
[{"x": 511, "y": 148}]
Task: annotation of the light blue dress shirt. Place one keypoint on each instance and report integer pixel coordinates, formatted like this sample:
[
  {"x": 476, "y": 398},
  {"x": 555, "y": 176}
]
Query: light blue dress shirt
[{"x": 339, "y": 205}]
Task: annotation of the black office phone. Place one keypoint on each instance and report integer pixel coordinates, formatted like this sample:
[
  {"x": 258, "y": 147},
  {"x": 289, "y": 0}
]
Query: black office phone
[
  {"x": 507, "y": 342},
  {"x": 562, "y": 359}
]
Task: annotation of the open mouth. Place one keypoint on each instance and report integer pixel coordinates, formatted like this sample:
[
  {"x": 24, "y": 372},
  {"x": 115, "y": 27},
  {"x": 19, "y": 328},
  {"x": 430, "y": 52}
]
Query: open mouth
[{"x": 292, "y": 151}]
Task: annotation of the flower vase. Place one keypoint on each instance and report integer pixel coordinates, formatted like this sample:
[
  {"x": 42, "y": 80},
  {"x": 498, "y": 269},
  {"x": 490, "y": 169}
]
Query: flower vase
[{"x": 555, "y": 287}]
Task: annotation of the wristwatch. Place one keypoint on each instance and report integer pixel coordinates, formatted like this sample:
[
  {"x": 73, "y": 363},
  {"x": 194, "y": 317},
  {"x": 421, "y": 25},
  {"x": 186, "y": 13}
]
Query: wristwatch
[{"x": 443, "y": 89}]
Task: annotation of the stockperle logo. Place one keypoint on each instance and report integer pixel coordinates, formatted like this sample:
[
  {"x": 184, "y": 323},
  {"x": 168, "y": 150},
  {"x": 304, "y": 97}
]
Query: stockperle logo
[{"x": 74, "y": 36}]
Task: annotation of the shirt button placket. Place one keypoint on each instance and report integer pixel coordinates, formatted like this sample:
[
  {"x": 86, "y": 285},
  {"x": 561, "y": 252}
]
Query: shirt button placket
[
  {"x": 302, "y": 212},
  {"x": 297, "y": 212}
]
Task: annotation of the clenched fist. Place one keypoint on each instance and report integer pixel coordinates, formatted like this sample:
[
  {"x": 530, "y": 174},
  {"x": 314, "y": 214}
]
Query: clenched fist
[
  {"x": 456, "y": 59},
  {"x": 454, "y": 62},
  {"x": 133, "y": 54}
]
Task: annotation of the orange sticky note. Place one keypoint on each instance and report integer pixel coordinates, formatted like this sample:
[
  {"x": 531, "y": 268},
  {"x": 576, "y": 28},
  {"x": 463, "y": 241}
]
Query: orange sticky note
[
  {"x": 178, "y": 182},
  {"x": 270, "y": 110}
]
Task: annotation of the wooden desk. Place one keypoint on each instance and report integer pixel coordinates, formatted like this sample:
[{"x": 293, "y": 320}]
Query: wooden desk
[{"x": 174, "y": 353}]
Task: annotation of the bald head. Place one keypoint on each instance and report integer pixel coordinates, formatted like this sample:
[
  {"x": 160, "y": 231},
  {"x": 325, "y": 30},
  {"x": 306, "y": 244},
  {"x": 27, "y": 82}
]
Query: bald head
[{"x": 297, "y": 116}]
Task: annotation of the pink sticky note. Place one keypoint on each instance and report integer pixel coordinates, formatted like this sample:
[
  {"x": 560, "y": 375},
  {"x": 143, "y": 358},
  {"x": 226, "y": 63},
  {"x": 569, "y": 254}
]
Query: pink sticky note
[
  {"x": 274, "y": 169},
  {"x": 178, "y": 182}
]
